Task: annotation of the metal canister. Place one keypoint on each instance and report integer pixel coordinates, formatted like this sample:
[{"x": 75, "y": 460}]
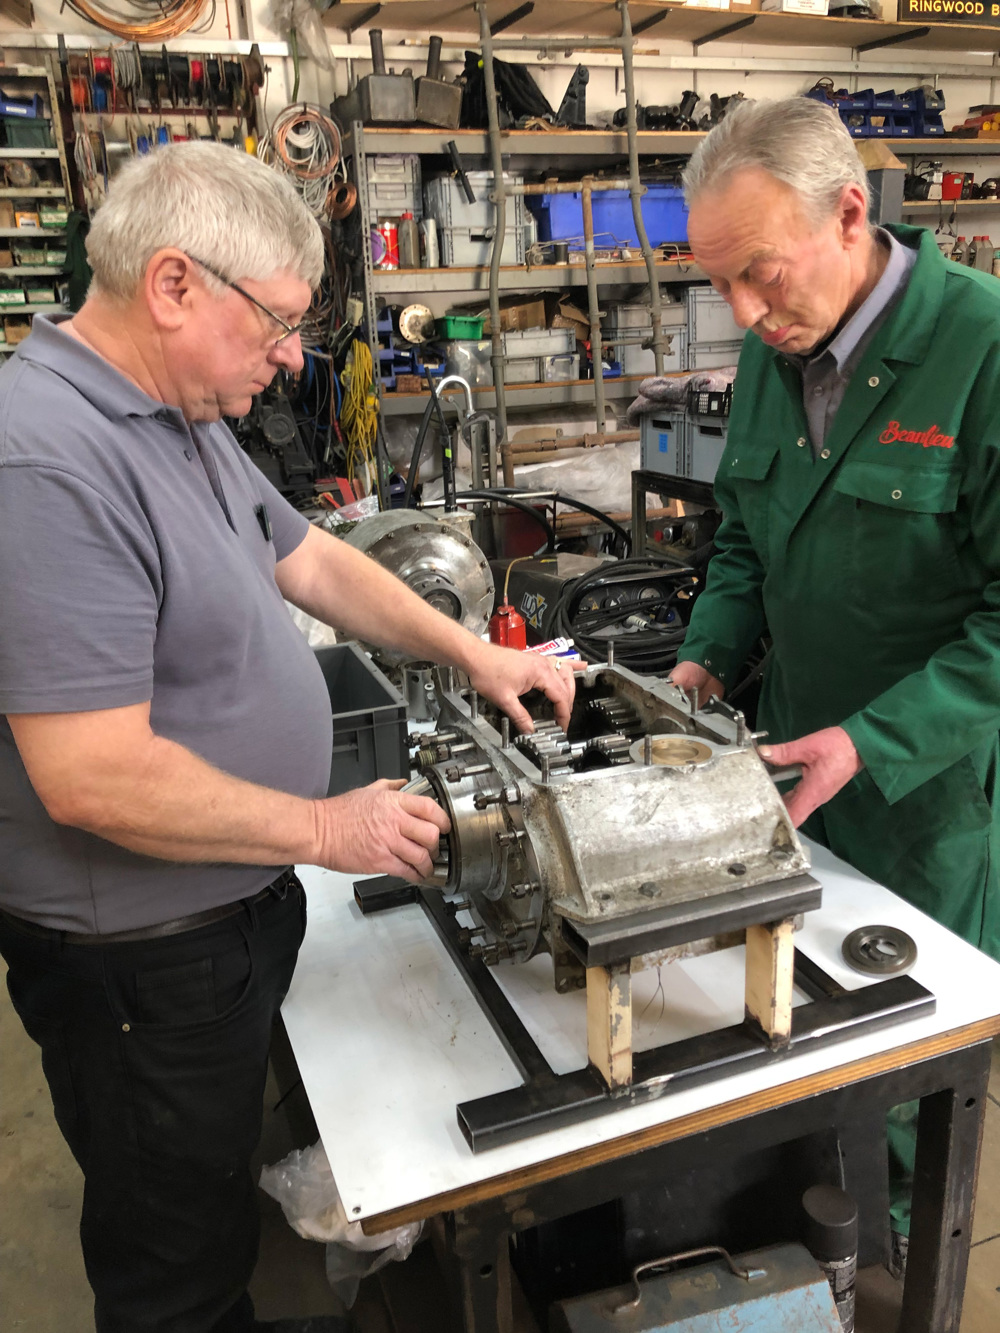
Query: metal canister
[
  {"x": 390, "y": 238},
  {"x": 831, "y": 1236},
  {"x": 429, "y": 256}
]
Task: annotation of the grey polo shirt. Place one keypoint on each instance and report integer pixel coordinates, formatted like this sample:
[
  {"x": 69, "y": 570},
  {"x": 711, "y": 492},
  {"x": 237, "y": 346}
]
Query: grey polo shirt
[
  {"x": 134, "y": 567},
  {"x": 827, "y": 373}
]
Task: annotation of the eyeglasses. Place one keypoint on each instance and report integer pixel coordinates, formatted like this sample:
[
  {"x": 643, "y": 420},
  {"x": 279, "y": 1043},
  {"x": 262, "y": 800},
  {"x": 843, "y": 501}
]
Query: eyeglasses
[{"x": 290, "y": 329}]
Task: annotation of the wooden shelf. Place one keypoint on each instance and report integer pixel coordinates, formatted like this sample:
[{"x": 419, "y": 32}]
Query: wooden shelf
[
  {"x": 33, "y": 192},
  {"x": 557, "y": 393},
  {"x": 946, "y": 205},
  {"x": 541, "y": 277},
  {"x": 670, "y": 22},
  {"x": 49, "y": 154},
  {"x": 19, "y": 271},
  {"x": 550, "y": 144},
  {"x": 31, "y": 309},
  {"x": 32, "y": 233}
]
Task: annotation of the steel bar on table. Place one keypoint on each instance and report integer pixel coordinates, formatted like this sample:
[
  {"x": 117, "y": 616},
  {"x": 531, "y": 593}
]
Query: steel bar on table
[{"x": 635, "y": 189}]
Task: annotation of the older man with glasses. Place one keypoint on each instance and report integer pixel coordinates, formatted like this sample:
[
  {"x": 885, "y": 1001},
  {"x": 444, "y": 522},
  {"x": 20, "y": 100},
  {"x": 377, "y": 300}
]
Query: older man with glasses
[{"x": 166, "y": 739}]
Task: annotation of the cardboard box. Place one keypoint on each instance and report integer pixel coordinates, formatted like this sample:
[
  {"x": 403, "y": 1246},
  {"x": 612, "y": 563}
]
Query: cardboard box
[
  {"x": 27, "y": 221},
  {"x": 16, "y": 328},
  {"x": 6, "y": 213},
  {"x": 563, "y": 314},
  {"x": 815, "y": 7},
  {"x": 12, "y": 296},
  {"x": 53, "y": 216},
  {"x": 6, "y": 259},
  {"x": 518, "y": 313}
]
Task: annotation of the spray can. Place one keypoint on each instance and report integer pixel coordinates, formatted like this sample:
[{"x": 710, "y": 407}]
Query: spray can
[
  {"x": 831, "y": 1237},
  {"x": 429, "y": 257},
  {"x": 507, "y": 628},
  {"x": 390, "y": 239}
]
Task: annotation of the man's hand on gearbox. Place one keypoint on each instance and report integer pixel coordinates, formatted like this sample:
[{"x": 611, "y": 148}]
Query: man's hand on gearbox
[
  {"x": 380, "y": 830},
  {"x": 828, "y": 758}
]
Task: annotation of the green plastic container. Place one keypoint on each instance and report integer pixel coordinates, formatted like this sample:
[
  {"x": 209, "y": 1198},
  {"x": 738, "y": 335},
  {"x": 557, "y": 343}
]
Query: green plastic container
[
  {"x": 461, "y": 326},
  {"x": 28, "y": 133}
]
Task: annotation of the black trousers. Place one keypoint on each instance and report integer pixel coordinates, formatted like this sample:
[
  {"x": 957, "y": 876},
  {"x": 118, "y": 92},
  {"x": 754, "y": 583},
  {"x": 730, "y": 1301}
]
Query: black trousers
[{"x": 156, "y": 1054}]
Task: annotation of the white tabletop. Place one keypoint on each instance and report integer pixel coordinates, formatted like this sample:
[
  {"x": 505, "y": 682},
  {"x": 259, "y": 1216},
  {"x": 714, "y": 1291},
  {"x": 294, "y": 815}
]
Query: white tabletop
[{"x": 389, "y": 1038}]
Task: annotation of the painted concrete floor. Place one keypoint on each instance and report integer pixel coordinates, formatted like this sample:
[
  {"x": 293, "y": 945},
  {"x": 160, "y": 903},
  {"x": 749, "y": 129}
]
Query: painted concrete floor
[{"x": 43, "y": 1288}]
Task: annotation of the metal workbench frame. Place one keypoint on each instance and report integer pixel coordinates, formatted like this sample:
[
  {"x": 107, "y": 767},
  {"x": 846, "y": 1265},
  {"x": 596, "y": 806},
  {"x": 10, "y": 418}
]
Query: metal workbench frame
[{"x": 952, "y": 1090}]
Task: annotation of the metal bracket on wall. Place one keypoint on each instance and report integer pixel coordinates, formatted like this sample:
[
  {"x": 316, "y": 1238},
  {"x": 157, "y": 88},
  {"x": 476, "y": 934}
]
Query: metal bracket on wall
[
  {"x": 894, "y": 40},
  {"x": 644, "y": 25},
  {"x": 727, "y": 31},
  {"x": 508, "y": 20},
  {"x": 364, "y": 17}
]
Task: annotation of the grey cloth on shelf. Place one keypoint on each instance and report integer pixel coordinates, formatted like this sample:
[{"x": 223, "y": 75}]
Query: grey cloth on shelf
[{"x": 660, "y": 391}]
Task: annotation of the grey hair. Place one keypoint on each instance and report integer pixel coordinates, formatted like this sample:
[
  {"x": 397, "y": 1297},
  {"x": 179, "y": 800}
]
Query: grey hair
[
  {"x": 212, "y": 201},
  {"x": 796, "y": 140}
]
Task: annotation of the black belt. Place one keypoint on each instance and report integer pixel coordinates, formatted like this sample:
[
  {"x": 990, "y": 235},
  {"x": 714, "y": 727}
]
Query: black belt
[{"x": 177, "y": 926}]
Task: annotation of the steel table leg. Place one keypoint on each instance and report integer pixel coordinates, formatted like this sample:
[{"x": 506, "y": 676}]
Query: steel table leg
[
  {"x": 948, "y": 1142},
  {"x": 482, "y": 1253}
]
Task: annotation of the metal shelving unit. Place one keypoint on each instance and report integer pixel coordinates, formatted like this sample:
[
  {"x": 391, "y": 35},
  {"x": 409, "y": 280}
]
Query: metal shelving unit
[
  {"x": 611, "y": 29},
  {"x": 32, "y": 76}
]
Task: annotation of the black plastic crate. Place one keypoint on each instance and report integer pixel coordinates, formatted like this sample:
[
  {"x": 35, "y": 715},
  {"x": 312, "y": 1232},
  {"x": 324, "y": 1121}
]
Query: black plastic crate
[
  {"x": 710, "y": 402},
  {"x": 369, "y": 720}
]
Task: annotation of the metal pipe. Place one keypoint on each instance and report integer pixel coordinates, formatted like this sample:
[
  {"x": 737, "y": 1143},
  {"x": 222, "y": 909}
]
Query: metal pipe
[
  {"x": 590, "y": 440},
  {"x": 635, "y": 189},
  {"x": 569, "y": 187},
  {"x": 499, "y": 233},
  {"x": 593, "y": 307}
]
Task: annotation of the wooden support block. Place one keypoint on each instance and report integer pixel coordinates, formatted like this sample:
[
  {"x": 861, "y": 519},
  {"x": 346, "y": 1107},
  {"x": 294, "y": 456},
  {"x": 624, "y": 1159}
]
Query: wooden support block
[
  {"x": 770, "y": 978},
  {"x": 609, "y": 1022}
]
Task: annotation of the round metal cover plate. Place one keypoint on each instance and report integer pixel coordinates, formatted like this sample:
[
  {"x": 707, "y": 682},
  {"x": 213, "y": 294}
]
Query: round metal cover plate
[
  {"x": 879, "y": 951},
  {"x": 673, "y": 751}
]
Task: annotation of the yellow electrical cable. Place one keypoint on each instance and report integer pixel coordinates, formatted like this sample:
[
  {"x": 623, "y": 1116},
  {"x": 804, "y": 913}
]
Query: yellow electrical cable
[{"x": 359, "y": 412}]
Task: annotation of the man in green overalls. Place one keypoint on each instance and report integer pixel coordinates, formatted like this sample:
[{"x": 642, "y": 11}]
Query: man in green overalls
[{"x": 860, "y": 489}]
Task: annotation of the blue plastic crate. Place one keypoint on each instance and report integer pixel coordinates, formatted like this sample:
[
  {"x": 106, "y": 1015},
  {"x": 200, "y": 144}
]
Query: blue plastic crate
[{"x": 560, "y": 216}]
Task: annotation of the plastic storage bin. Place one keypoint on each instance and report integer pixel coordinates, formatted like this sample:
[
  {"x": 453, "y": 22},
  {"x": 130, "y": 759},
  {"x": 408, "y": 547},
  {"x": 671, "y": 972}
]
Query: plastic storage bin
[
  {"x": 521, "y": 370},
  {"x": 709, "y": 356},
  {"x": 369, "y": 720},
  {"x": 638, "y": 360},
  {"x": 467, "y": 247},
  {"x": 461, "y": 326},
  {"x": 445, "y": 202},
  {"x": 558, "y": 368},
  {"x": 26, "y": 133},
  {"x": 663, "y": 443},
  {"x": 706, "y": 440},
  {"x": 664, "y": 212},
  {"x": 394, "y": 186},
  {"x": 709, "y": 318},
  {"x": 539, "y": 342}
]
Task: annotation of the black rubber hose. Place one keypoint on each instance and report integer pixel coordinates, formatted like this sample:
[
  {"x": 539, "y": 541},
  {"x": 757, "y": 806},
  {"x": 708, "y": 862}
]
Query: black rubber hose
[
  {"x": 504, "y": 498},
  {"x": 411, "y": 476},
  {"x": 622, "y": 533}
]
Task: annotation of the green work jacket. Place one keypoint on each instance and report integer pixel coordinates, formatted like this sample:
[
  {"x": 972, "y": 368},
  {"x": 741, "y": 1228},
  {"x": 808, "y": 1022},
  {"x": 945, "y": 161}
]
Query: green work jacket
[{"x": 876, "y": 570}]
